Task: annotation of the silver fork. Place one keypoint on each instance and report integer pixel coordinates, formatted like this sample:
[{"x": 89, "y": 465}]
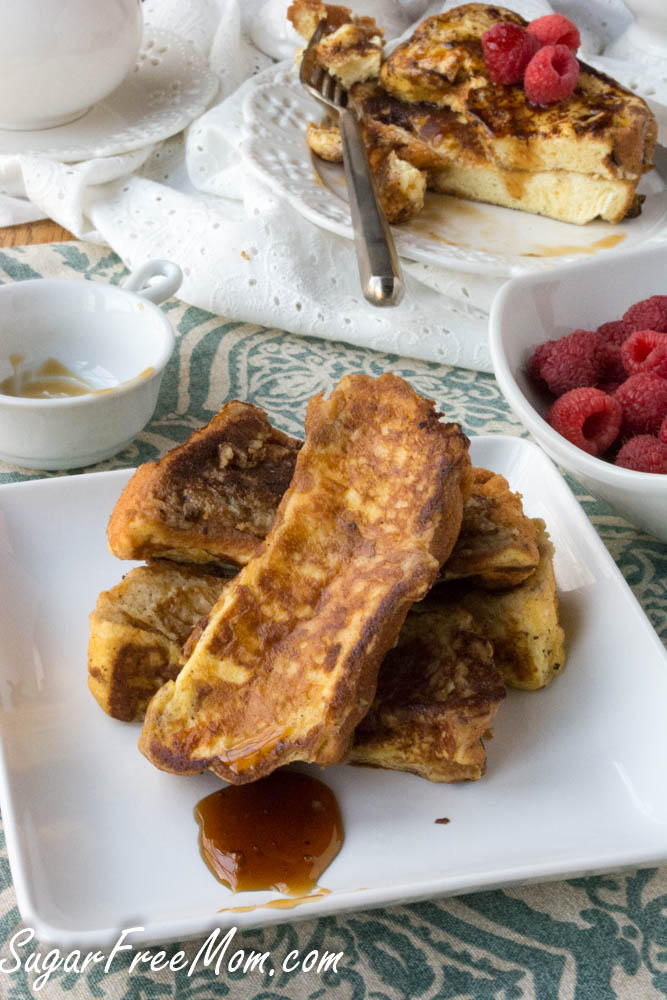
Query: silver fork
[{"x": 379, "y": 270}]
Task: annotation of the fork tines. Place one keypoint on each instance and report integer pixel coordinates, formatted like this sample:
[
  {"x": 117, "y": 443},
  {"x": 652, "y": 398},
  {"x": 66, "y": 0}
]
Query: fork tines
[{"x": 317, "y": 81}]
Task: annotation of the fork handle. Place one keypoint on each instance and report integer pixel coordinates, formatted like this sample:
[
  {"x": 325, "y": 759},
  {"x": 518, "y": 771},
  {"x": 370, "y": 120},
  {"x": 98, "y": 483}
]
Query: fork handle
[{"x": 380, "y": 272}]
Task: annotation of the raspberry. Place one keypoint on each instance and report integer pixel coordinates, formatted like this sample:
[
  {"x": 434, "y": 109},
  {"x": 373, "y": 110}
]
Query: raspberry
[
  {"x": 643, "y": 453},
  {"x": 507, "y": 51},
  {"x": 646, "y": 351},
  {"x": 573, "y": 361},
  {"x": 644, "y": 401},
  {"x": 538, "y": 357},
  {"x": 649, "y": 314},
  {"x": 613, "y": 371},
  {"x": 587, "y": 417},
  {"x": 555, "y": 29},
  {"x": 614, "y": 332},
  {"x": 662, "y": 433},
  {"x": 551, "y": 75}
]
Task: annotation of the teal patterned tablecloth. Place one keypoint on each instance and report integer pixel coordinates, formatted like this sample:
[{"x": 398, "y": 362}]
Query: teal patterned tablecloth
[{"x": 593, "y": 938}]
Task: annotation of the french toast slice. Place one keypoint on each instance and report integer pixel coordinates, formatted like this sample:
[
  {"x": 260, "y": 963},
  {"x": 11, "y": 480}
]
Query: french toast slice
[
  {"x": 137, "y": 632},
  {"x": 211, "y": 499},
  {"x": 601, "y": 129},
  {"x": 453, "y": 154},
  {"x": 497, "y": 544},
  {"x": 521, "y": 623},
  {"x": 287, "y": 664},
  {"x": 438, "y": 691},
  {"x": 447, "y": 154},
  {"x": 437, "y": 108}
]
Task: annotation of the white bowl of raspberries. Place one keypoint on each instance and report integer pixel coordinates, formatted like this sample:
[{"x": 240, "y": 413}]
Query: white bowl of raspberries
[{"x": 580, "y": 353}]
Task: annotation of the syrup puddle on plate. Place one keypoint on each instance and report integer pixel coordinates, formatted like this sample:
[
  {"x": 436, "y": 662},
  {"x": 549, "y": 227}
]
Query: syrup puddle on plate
[{"x": 280, "y": 832}]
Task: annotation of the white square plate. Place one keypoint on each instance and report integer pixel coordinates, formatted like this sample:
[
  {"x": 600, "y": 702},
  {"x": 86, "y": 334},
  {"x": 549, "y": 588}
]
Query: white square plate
[{"x": 99, "y": 840}]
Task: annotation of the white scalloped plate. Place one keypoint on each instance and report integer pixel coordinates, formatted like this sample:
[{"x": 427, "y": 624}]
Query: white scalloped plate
[
  {"x": 170, "y": 85},
  {"x": 463, "y": 235}
]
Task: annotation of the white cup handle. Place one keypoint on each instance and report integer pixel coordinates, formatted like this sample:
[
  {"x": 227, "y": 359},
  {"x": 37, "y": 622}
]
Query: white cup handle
[{"x": 169, "y": 280}]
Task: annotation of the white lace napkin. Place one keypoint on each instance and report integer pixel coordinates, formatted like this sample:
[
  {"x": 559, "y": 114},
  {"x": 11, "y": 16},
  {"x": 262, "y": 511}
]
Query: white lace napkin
[{"x": 245, "y": 253}]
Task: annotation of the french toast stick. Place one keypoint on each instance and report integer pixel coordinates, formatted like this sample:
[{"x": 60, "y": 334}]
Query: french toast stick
[
  {"x": 137, "y": 632},
  {"x": 287, "y": 663},
  {"x": 211, "y": 499},
  {"x": 498, "y": 544},
  {"x": 521, "y": 622},
  {"x": 438, "y": 691}
]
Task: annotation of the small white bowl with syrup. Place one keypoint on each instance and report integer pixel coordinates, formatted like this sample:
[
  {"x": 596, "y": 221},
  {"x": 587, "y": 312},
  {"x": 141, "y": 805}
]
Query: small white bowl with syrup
[{"x": 81, "y": 365}]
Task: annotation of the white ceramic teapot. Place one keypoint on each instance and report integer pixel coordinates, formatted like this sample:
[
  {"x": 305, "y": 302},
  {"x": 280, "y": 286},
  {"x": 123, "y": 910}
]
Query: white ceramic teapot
[{"x": 59, "y": 57}]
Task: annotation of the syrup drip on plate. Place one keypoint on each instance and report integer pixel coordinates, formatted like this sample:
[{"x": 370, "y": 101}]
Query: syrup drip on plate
[
  {"x": 280, "y": 832},
  {"x": 607, "y": 243}
]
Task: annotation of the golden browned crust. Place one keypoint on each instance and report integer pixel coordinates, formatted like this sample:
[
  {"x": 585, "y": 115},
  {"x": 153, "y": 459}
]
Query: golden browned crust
[
  {"x": 443, "y": 58},
  {"x": 305, "y": 15},
  {"x": 425, "y": 135},
  {"x": 287, "y": 664},
  {"x": 437, "y": 694},
  {"x": 137, "y": 630},
  {"x": 602, "y": 129},
  {"x": 521, "y": 623},
  {"x": 497, "y": 543},
  {"x": 353, "y": 53},
  {"x": 447, "y": 154},
  {"x": 211, "y": 499}
]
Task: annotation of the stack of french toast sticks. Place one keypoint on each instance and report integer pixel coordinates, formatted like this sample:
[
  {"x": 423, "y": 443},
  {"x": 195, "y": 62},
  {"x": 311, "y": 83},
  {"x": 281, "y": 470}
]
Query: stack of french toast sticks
[
  {"x": 362, "y": 596},
  {"x": 433, "y": 117}
]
